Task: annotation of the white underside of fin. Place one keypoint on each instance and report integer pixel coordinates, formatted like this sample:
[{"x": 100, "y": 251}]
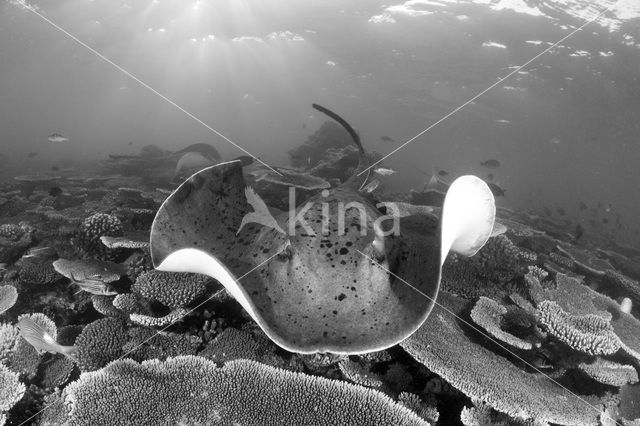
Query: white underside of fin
[
  {"x": 468, "y": 215},
  {"x": 198, "y": 261}
]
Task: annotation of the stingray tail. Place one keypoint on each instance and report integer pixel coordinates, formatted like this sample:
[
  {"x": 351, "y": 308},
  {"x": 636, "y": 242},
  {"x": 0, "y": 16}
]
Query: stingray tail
[{"x": 359, "y": 181}]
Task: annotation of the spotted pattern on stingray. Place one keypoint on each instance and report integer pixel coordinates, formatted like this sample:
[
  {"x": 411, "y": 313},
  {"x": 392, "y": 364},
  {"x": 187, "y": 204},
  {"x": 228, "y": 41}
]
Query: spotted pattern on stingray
[{"x": 321, "y": 294}]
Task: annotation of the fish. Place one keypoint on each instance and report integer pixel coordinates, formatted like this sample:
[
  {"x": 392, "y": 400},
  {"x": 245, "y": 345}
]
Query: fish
[
  {"x": 94, "y": 285},
  {"x": 496, "y": 190},
  {"x": 190, "y": 162},
  {"x": 38, "y": 337},
  {"x": 582, "y": 206},
  {"x": 490, "y": 164},
  {"x": 383, "y": 171},
  {"x": 32, "y": 154},
  {"x": 371, "y": 186},
  {"x": 490, "y": 176},
  {"x": 55, "y": 168},
  {"x": 547, "y": 211},
  {"x": 304, "y": 125},
  {"x": 387, "y": 139},
  {"x": 443, "y": 173},
  {"x": 561, "y": 211},
  {"x": 56, "y": 138},
  {"x": 302, "y": 285},
  {"x": 130, "y": 143},
  {"x": 555, "y": 141}
]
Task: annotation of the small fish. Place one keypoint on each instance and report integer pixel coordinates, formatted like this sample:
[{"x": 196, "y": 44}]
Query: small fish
[
  {"x": 55, "y": 191},
  {"x": 384, "y": 171},
  {"x": 503, "y": 121},
  {"x": 246, "y": 160},
  {"x": 42, "y": 340},
  {"x": 371, "y": 186},
  {"x": 496, "y": 190},
  {"x": 490, "y": 164},
  {"x": 304, "y": 125},
  {"x": 555, "y": 141},
  {"x": 57, "y": 137},
  {"x": 387, "y": 139},
  {"x": 582, "y": 206},
  {"x": 547, "y": 211},
  {"x": 55, "y": 168},
  {"x": 605, "y": 220},
  {"x": 579, "y": 232},
  {"x": 130, "y": 143},
  {"x": 32, "y": 154},
  {"x": 94, "y": 285},
  {"x": 490, "y": 176},
  {"x": 561, "y": 211},
  {"x": 443, "y": 173}
]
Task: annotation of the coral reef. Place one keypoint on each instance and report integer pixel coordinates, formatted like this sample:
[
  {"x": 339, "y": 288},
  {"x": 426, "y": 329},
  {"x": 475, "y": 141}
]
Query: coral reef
[
  {"x": 172, "y": 289},
  {"x": 87, "y": 238},
  {"x": 100, "y": 343},
  {"x": 8, "y": 297},
  {"x": 489, "y": 314},
  {"x": 11, "y": 390},
  {"x": 192, "y": 390}
]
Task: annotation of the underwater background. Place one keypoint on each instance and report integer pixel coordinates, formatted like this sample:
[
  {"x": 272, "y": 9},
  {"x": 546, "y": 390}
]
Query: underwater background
[{"x": 106, "y": 107}]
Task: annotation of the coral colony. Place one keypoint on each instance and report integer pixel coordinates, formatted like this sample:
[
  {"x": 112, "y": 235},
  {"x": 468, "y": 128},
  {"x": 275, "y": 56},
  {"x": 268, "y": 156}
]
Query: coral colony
[{"x": 126, "y": 300}]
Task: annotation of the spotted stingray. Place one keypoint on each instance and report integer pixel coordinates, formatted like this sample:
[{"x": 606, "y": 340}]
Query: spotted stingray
[{"x": 329, "y": 285}]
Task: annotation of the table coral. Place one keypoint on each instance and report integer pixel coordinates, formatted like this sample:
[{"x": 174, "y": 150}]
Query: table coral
[
  {"x": 488, "y": 314},
  {"x": 442, "y": 345},
  {"x": 172, "y": 289},
  {"x": 609, "y": 372},
  {"x": 163, "y": 321},
  {"x": 591, "y": 334},
  {"x": 192, "y": 390}
]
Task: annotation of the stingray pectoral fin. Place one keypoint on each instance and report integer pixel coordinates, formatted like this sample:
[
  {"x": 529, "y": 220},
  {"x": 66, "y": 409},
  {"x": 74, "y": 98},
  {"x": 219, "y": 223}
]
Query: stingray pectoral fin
[
  {"x": 468, "y": 215},
  {"x": 198, "y": 261}
]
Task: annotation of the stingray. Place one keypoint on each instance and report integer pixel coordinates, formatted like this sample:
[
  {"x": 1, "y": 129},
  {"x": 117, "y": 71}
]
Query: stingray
[
  {"x": 290, "y": 177},
  {"x": 329, "y": 283}
]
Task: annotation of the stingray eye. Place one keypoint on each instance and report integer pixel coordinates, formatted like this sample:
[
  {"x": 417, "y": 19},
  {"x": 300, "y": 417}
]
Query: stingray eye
[{"x": 285, "y": 254}]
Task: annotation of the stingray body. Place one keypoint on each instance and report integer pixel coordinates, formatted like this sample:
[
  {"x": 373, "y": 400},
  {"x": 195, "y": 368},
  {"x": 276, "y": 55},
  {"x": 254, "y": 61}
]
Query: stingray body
[
  {"x": 334, "y": 281},
  {"x": 206, "y": 150}
]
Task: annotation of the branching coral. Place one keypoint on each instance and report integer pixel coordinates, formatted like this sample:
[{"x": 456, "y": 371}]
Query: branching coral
[
  {"x": 590, "y": 333},
  {"x": 489, "y": 314},
  {"x": 609, "y": 372},
  {"x": 172, "y": 289},
  {"x": 442, "y": 345},
  {"x": 100, "y": 342},
  {"x": 192, "y": 390},
  {"x": 87, "y": 239},
  {"x": 8, "y": 297},
  {"x": 8, "y": 340},
  {"x": 426, "y": 410}
]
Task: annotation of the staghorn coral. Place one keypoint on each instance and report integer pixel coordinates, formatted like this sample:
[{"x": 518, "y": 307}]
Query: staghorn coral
[
  {"x": 100, "y": 343},
  {"x": 193, "y": 390},
  {"x": 609, "y": 372},
  {"x": 8, "y": 297},
  {"x": 11, "y": 390},
  {"x": 489, "y": 314},
  {"x": 172, "y": 289},
  {"x": 359, "y": 374},
  {"x": 591, "y": 334},
  {"x": 87, "y": 238},
  {"x": 442, "y": 345},
  {"x": 149, "y": 321}
]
